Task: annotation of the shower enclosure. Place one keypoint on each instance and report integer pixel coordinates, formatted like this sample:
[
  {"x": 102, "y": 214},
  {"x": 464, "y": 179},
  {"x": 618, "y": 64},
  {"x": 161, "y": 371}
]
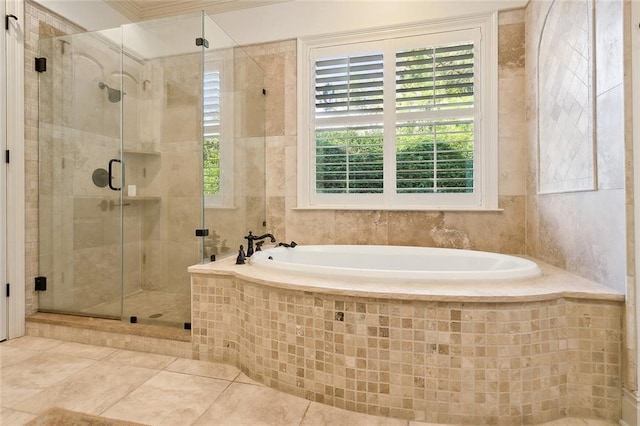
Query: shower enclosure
[{"x": 151, "y": 155}]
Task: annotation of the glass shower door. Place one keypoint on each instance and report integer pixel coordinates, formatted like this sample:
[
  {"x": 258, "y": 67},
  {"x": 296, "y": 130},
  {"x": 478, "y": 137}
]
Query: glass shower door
[
  {"x": 80, "y": 179},
  {"x": 151, "y": 160},
  {"x": 162, "y": 152}
]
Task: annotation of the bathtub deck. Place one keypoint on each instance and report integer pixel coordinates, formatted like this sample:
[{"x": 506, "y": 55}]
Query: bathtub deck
[{"x": 554, "y": 283}]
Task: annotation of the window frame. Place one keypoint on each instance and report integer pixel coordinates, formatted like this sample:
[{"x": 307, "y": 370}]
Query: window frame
[{"x": 485, "y": 195}]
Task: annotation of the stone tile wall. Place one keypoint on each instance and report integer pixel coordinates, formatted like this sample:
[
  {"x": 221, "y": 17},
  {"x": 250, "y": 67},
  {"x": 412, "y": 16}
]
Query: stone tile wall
[
  {"x": 589, "y": 233},
  {"x": 446, "y": 362},
  {"x": 112, "y": 339},
  {"x": 566, "y": 160},
  {"x": 502, "y": 231},
  {"x": 583, "y": 232}
]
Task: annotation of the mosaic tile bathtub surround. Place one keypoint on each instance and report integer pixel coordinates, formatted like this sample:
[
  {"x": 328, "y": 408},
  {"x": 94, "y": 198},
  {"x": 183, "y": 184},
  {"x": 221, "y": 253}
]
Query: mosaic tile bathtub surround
[{"x": 447, "y": 362}]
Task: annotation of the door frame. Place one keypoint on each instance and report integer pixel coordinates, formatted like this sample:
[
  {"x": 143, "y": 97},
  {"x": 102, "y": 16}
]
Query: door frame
[
  {"x": 15, "y": 176},
  {"x": 4, "y": 302}
]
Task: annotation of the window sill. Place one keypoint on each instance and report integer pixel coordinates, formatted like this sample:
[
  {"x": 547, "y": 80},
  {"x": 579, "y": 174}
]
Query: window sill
[{"x": 478, "y": 209}]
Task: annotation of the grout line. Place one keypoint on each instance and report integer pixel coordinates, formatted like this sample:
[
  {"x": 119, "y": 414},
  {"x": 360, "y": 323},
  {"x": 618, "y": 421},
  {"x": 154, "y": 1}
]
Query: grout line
[
  {"x": 305, "y": 413},
  {"x": 129, "y": 393},
  {"x": 212, "y": 402}
]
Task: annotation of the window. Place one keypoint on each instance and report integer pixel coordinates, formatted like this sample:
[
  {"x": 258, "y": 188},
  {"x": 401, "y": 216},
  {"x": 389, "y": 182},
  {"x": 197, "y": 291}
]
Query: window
[
  {"x": 218, "y": 139},
  {"x": 212, "y": 132},
  {"x": 406, "y": 120}
]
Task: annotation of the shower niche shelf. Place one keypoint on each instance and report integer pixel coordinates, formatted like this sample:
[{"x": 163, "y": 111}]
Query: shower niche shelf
[{"x": 140, "y": 152}]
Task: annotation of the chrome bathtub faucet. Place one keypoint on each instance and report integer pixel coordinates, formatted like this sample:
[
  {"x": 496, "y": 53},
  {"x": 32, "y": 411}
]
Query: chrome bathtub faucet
[{"x": 251, "y": 238}]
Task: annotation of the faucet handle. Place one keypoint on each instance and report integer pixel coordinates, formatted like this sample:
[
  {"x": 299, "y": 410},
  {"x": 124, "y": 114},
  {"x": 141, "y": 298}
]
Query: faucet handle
[{"x": 241, "y": 256}]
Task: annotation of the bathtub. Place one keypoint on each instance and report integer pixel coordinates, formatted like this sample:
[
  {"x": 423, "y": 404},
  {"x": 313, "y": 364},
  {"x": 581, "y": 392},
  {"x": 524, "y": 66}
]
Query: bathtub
[
  {"x": 467, "y": 339},
  {"x": 393, "y": 263}
]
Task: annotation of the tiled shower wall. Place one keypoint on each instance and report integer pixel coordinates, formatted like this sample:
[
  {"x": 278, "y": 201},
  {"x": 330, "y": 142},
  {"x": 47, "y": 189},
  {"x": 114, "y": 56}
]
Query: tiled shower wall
[
  {"x": 155, "y": 233},
  {"x": 500, "y": 231}
]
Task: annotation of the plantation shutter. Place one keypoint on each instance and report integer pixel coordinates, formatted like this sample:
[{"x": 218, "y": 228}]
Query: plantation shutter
[
  {"x": 401, "y": 121},
  {"x": 211, "y": 132},
  {"x": 349, "y": 128},
  {"x": 435, "y": 119}
]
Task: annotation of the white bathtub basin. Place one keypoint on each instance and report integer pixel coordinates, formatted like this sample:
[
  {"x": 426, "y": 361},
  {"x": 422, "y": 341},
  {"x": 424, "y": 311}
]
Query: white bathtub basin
[{"x": 396, "y": 263}]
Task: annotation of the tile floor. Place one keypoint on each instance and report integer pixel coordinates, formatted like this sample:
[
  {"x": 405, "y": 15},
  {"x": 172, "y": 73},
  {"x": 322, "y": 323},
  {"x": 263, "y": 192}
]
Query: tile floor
[{"x": 38, "y": 373}]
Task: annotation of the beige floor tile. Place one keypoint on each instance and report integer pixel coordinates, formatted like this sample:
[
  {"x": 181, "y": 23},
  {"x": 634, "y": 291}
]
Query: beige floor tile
[
  {"x": 82, "y": 351},
  {"x": 30, "y": 376},
  {"x": 11, "y": 417},
  {"x": 243, "y": 404},
  {"x": 202, "y": 368},
  {"x": 33, "y": 343},
  {"x": 320, "y": 415},
  {"x": 140, "y": 359},
  {"x": 10, "y": 355},
  {"x": 168, "y": 399},
  {"x": 91, "y": 390}
]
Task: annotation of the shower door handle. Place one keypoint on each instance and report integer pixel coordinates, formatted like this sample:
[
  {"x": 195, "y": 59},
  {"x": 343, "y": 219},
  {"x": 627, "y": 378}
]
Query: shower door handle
[{"x": 114, "y": 188}]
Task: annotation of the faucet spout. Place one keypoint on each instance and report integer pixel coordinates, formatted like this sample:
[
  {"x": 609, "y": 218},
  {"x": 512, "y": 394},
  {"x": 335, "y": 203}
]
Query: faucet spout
[
  {"x": 262, "y": 237},
  {"x": 253, "y": 238}
]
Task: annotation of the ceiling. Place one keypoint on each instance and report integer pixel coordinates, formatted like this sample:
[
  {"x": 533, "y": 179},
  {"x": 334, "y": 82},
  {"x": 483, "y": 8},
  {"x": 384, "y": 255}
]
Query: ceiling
[{"x": 138, "y": 10}]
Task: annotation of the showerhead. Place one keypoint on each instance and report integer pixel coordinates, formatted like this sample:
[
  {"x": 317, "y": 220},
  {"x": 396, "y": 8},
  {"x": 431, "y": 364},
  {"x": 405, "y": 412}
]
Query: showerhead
[{"x": 114, "y": 94}]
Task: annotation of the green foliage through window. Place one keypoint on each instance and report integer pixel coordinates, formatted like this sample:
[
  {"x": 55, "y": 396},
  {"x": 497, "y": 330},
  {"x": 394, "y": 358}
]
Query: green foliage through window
[
  {"x": 350, "y": 160},
  {"x": 434, "y": 156},
  {"x": 434, "y": 124},
  {"x": 212, "y": 128},
  {"x": 212, "y": 165}
]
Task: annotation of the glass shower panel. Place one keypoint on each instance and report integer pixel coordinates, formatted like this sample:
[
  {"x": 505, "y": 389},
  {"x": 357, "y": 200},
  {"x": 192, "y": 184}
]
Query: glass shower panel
[
  {"x": 234, "y": 144},
  {"x": 138, "y": 126},
  {"x": 162, "y": 156},
  {"x": 79, "y": 176}
]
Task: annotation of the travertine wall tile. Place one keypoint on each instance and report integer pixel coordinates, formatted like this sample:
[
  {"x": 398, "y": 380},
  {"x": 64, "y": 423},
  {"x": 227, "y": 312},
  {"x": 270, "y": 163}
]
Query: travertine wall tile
[
  {"x": 566, "y": 99},
  {"x": 610, "y": 137},
  {"x": 330, "y": 227},
  {"x": 563, "y": 229},
  {"x": 609, "y": 44},
  {"x": 590, "y": 233},
  {"x": 511, "y": 46}
]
